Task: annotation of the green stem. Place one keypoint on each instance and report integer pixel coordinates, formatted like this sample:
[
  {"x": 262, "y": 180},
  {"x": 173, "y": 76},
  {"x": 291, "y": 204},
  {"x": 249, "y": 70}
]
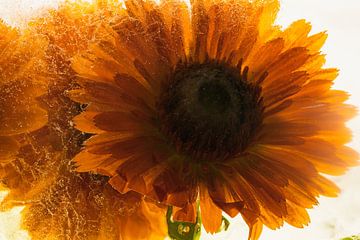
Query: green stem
[
  {"x": 352, "y": 238},
  {"x": 188, "y": 230},
  {"x": 183, "y": 230}
]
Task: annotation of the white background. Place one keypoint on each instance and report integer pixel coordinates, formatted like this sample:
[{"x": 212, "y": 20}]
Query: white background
[{"x": 333, "y": 218}]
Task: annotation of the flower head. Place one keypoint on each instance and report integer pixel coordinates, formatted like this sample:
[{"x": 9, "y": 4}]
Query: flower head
[
  {"x": 59, "y": 202},
  {"x": 216, "y": 104},
  {"x": 20, "y": 86}
]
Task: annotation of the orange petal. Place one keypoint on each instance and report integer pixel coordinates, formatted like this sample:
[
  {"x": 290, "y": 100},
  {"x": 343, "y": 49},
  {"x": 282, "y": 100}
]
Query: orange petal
[
  {"x": 296, "y": 34},
  {"x": 286, "y": 63},
  {"x": 185, "y": 214},
  {"x": 261, "y": 58},
  {"x": 211, "y": 214},
  {"x": 8, "y": 149},
  {"x": 297, "y": 216},
  {"x": 85, "y": 122},
  {"x": 255, "y": 231}
]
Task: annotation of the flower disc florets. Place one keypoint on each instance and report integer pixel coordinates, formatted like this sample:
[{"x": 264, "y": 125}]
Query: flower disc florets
[{"x": 210, "y": 110}]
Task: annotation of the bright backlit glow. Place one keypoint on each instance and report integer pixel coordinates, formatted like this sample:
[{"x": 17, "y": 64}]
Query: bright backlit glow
[
  {"x": 334, "y": 218},
  {"x": 10, "y": 223},
  {"x": 18, "y": 12}
]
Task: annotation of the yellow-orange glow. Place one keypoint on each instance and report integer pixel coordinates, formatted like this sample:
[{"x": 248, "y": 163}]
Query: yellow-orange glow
[
  {"x": 10, "y": 223},
  {"x": 334, "y": 218}
]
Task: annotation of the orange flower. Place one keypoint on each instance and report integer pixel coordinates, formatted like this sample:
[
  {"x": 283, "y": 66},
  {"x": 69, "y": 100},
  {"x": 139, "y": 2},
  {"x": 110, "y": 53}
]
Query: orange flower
[
  {"x": 215, "y": 105},
  {"x": 61, "y": 203},
  {"x": 19, "y": 87}
]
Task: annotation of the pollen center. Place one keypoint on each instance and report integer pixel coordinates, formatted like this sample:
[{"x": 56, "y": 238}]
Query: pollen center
[
  {"x": 214, "y": 97},
  {"x": 210, "y": 111}
]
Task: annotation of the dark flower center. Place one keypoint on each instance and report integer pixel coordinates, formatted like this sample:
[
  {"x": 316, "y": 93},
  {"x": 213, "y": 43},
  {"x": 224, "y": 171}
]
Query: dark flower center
[
  {"x": 210, "y": 111},
  {"x": 214, "y": 97}
]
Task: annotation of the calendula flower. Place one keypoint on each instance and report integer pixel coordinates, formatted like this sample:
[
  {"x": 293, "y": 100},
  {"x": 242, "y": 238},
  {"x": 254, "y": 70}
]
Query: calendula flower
[
  {"x": 216, "y": 105},
  {"x": 59, "y": 202},
  {"x": 19, "y": 87}
]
